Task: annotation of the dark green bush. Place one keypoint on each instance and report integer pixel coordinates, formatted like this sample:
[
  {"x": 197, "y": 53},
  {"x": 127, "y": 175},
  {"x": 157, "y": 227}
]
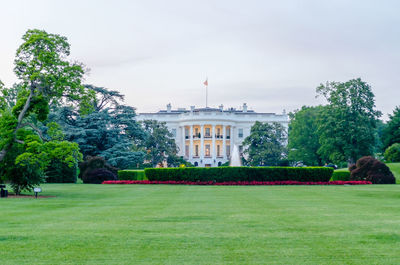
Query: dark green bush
[
  {"x": 340, "y": 175},
  {"x": 223, "y": 174},
  {"x": 58, "y": 172},
  {"x": 131, "y": 175},
  {"x": 95, "y": 170}
]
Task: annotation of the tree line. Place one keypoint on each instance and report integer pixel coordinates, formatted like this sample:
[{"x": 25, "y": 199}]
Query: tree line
[
  {"x": 342, "y": 131},
  {"x": 50, "y": 121}
]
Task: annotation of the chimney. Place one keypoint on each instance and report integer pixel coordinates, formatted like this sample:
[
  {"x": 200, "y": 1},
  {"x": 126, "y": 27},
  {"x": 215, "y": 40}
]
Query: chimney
[
  {"x": 221, "y": 107},
  {"x": 244, "y": 107},
  {"x": 169, "y": 107}
]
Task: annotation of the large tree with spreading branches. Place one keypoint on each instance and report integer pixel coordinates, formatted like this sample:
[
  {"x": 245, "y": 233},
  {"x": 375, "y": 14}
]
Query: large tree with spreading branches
[{"x": 46, "y": 77}]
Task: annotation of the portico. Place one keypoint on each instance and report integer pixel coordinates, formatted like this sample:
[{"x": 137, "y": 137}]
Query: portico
[{"x": 206, "y": 136}]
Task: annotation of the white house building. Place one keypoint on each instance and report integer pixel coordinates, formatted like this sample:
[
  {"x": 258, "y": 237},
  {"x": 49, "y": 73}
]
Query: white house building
[{"x": 206, "y": 136}]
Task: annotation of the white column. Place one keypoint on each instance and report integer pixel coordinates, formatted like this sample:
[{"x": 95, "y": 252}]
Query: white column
[
  {"x": 202, "y": 142},
  {"x": 213, "y": 143},
  {"x": 223, "y": 142},
  {"x": 231, "y": 140},
  {"x": 183, "y": 142},
  {"x": 191, "y": 142}
]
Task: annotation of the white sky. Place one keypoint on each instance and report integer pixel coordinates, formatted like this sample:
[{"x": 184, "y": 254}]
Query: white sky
[{"x": 270, "y": 54}]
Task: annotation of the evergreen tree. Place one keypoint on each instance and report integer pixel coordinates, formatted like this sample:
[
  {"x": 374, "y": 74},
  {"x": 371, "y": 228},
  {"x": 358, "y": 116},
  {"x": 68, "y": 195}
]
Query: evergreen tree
[{"x": 109, "y": 131}]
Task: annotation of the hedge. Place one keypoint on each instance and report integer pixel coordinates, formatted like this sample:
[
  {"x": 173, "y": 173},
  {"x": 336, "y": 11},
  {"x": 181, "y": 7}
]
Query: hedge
[
  {"x": 340, "y": 175},
  {"x": 131, "y": 175},
  {"x": 237, "y": 183},
  {"x": 224, "y": 174}
]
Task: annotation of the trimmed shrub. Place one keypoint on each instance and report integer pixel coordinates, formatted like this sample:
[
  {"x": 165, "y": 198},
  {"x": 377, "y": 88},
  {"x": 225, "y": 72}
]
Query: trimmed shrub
[
  {"x": 95, "y": 170},
  {"x": 131, "y": 175},
  {"x": 370, "y": 169},
  {"x": 340, "y": 175},
  {"x": 58, "y": 172},
  {"x": 392, "y": 153},
  {"x": 224, "y": 174},
  {"x": 237, "y": 183}
]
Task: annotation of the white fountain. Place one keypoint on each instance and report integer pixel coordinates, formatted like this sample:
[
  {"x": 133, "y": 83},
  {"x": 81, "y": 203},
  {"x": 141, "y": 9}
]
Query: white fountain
[{"x": 235, "y": 161}]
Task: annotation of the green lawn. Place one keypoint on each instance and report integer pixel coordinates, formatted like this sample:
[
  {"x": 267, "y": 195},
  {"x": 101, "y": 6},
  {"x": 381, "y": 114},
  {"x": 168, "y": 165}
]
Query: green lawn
[{"x": 162, "y": 224}]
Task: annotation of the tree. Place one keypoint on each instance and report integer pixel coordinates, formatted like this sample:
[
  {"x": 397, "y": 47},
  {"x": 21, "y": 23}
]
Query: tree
[
  {"x": 379, "y": 137},
  {"x": 266, "y": 144},
  {"x": 159, "y": 143},
  {"x": 45, "y": 77},
  {"x": 109, "y": 131},
  {"x": 348, "y": 122},
  {"x": 26, "y": 162},
  {"x": 391, "y": 134},
  {"x": 303, "y": 137}
]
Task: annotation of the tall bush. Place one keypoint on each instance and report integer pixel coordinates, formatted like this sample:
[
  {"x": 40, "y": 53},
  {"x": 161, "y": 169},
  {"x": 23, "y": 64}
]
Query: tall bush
[
  {"x": 392, "y": 153},
  {"x": 95, "y": 170},
  {"x": 370, "y": 169}
]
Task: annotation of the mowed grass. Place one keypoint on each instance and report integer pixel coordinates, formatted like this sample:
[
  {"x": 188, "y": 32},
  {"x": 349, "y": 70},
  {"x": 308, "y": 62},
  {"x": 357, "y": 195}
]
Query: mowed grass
[{"x": 166, "y": 224}]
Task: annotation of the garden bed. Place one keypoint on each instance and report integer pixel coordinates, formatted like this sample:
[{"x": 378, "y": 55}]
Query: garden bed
[{"x": 237, "y": 183}]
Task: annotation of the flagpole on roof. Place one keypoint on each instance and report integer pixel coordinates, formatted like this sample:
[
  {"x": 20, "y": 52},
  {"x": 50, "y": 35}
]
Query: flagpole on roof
[{"x": 206, "y": 84}]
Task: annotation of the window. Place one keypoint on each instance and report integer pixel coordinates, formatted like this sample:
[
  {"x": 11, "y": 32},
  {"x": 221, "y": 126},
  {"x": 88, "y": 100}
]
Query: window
[
  {"x": 241, "y": 150},
  {"x": 208, "y": 151},
  {"x": 187, "y": 133},
  {"x": 173, "y": 132},
  {"x": 187, "y": 150},
  {"x": 218, "y": 150},
  {"x": 196, "y": 131},
  {"x": 218, "y": 131},
  {"x": 196, "y": 151},
  {"x": 207, "y": 134},
  {"x": 228, "y": 150},
  {"x": 240, "y": 133}
]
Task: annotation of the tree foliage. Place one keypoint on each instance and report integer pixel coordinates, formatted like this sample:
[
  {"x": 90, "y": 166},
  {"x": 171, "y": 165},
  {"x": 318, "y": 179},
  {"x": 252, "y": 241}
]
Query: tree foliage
[
  {"x": 45, "y": 77},
  {"x": 159, "y": 144},
  {"x": 392, "y": 153},
  {"x": 348, "y": 122},
  {"x": 303, "y": 140},
  {"x": 391, "y": 133},
  {"x": 109, "y": 131},
  {"x": 266, "y": 144}
]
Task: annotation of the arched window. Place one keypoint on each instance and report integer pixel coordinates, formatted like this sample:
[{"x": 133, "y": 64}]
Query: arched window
[
  {"x": 219, "y": 164},
  {"x": 196, "y": 164}
]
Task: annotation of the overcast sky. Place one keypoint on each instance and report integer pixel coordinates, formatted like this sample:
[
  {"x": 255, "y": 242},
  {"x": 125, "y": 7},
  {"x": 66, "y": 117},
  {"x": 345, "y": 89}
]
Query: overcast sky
[{"x": 270, "y": 54}]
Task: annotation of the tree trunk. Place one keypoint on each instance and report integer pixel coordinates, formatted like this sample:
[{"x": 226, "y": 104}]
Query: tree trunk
[{"x": 21, "y": 116}]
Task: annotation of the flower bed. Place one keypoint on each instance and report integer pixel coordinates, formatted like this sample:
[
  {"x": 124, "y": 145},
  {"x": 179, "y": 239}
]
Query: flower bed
[{"x": 236, "y": 183}]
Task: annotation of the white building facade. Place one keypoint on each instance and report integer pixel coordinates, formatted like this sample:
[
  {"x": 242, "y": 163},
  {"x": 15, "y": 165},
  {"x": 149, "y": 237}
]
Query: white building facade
[{"x": 206, "y": 136}]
